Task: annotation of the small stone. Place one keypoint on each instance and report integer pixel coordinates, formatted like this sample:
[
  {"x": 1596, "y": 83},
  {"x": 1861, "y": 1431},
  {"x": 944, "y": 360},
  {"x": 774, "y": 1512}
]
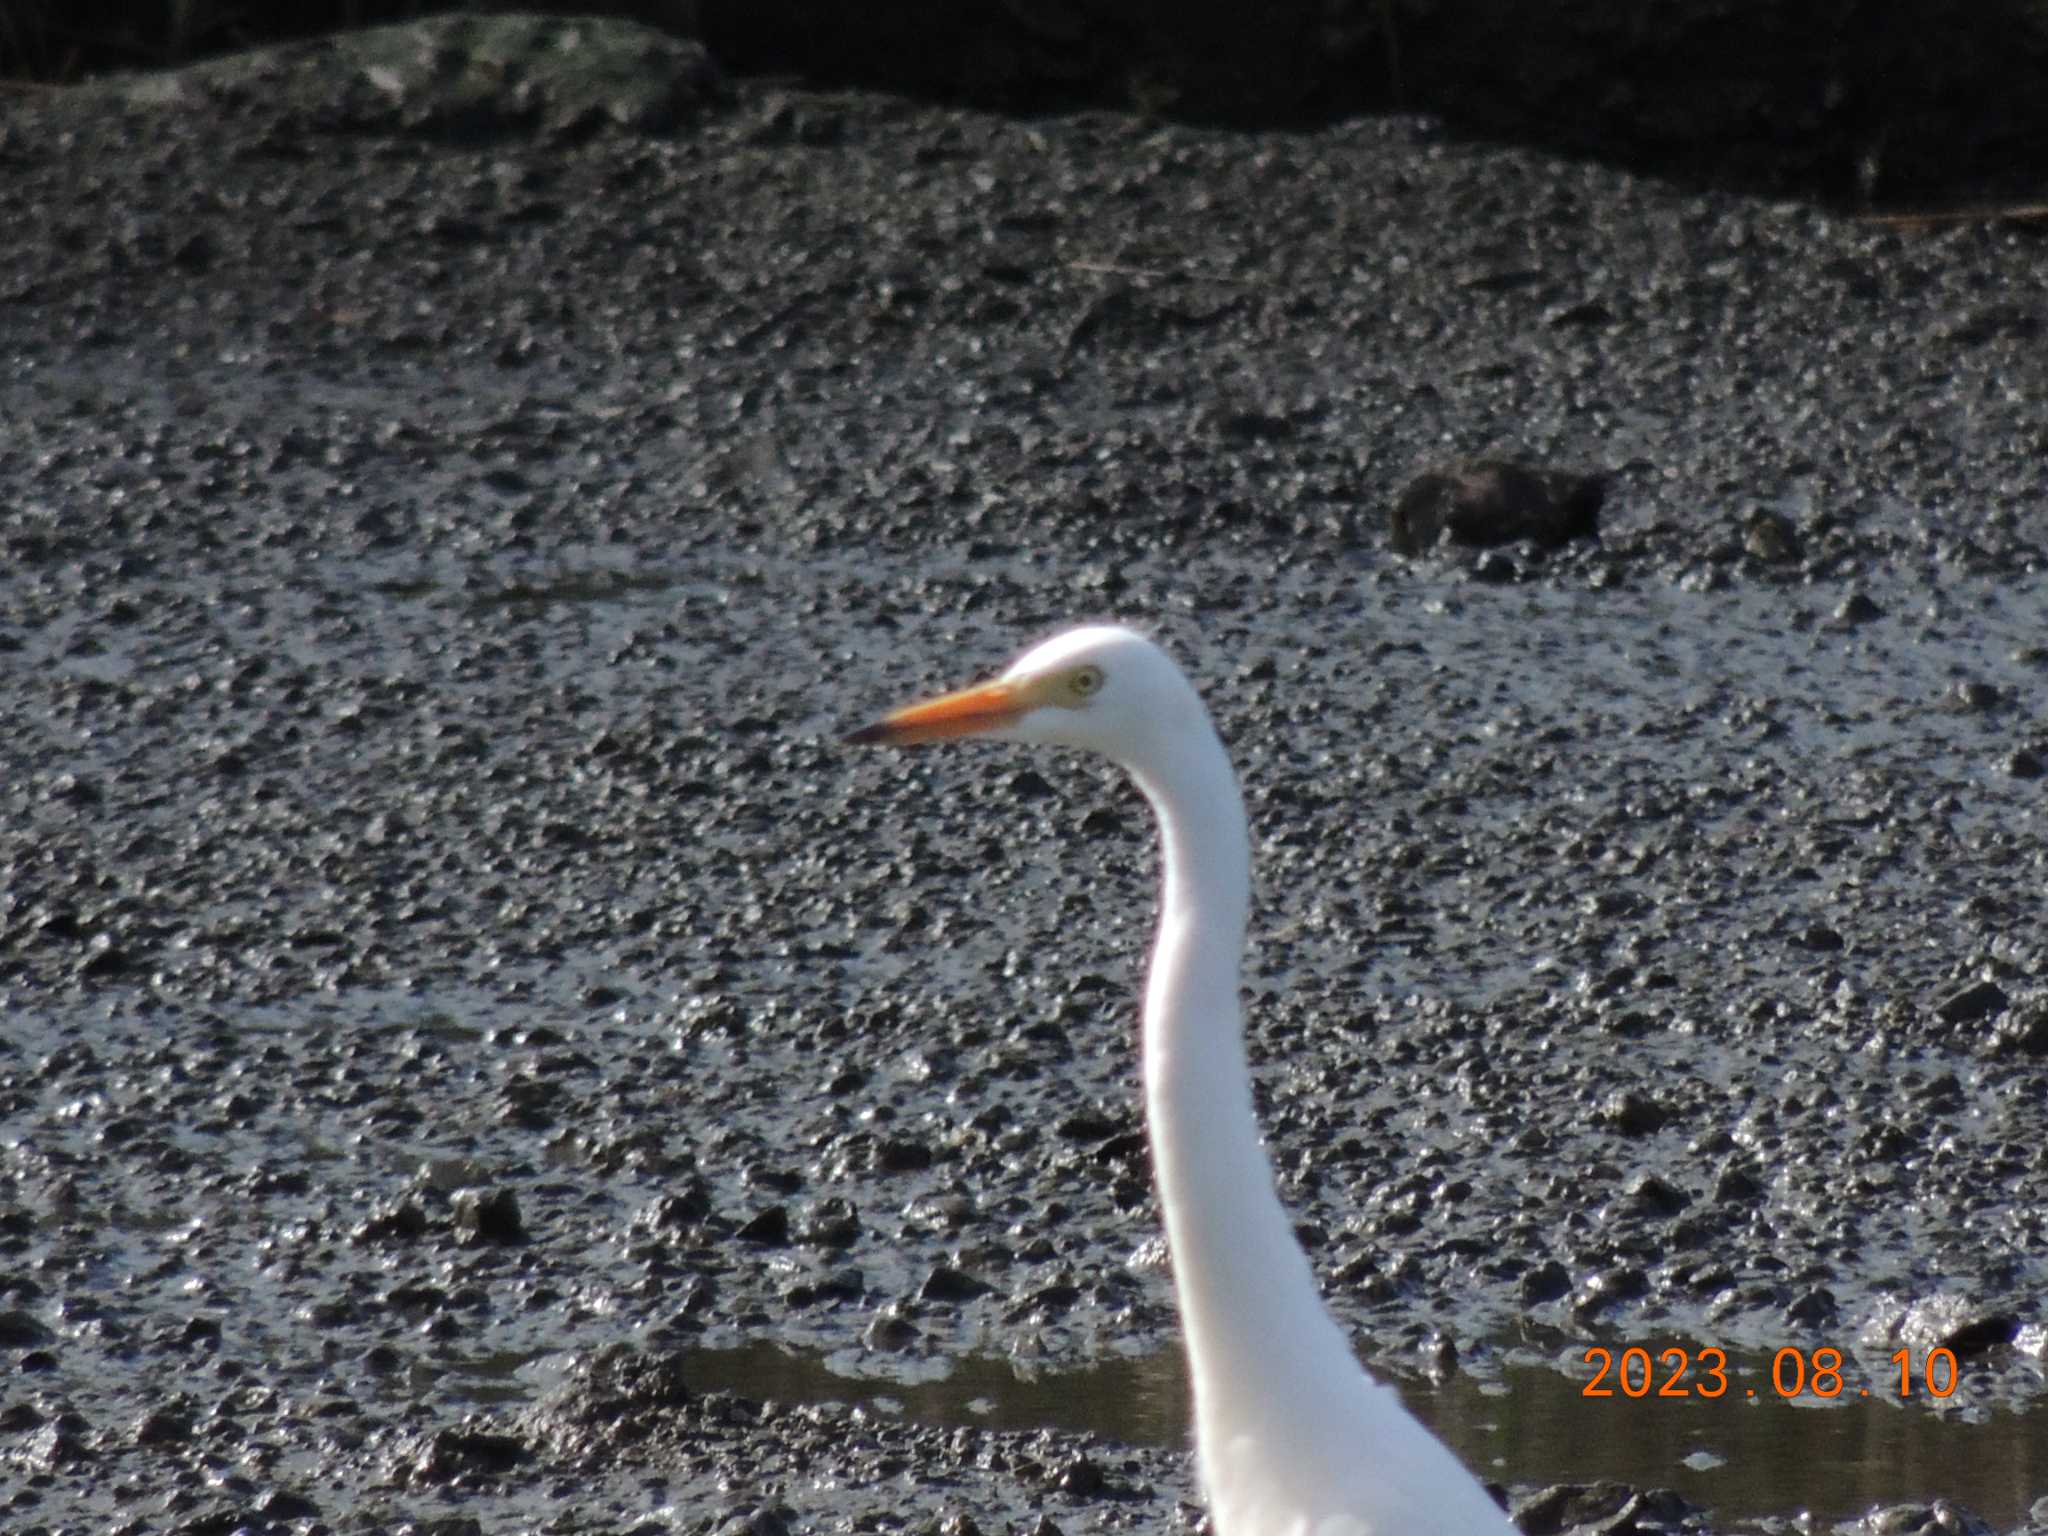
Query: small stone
[
  {"x": 1083, "y": 1478},
  {"x": 768, "y": 1229},
  {"x": 890, "y": 1332},
  {"x": 402, "y": 1222},
  {"x": 58, "y": 1444},
  {"x": 456, "y": 1453},
  {"x": 900, "y": 1154},
  {"x": 1657, "y": 1197},
  {"x": 19, "y": 1330},
  {"x": 1768, "y": 536},
  {"x": 1816, "y": 1309},
  {"x": 1736, "y": 1187},
  {"x": 1486, "y": 502},
  {"x": 163, "y": 1426},
  {"x": 832, "y": 1223},
  {"x": 761, "y": 1520},
  {"x": 946, "y": 1283},
  {"x": 488, "y": 1216},
  {"x": 1633, "y": 1114},
  {"x": 2024, "y": 1028},
  {"x": 1980, "y": 1000}
]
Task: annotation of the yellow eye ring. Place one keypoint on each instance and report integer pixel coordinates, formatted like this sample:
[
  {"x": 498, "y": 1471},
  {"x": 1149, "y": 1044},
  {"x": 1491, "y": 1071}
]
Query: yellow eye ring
[{"x": 1085, "y": 683}]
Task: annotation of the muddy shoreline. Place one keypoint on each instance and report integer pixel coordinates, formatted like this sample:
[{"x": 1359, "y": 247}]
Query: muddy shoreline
[{"x": 443, "y": 946}]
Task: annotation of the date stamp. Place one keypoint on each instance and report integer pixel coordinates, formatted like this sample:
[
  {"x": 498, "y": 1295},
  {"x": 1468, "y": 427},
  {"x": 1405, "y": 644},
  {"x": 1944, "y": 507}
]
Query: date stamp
[{"x": 1636, "y": 1372}]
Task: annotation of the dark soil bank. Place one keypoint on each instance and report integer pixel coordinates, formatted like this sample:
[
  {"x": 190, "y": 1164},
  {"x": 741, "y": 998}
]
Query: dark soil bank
[
  {"x": 1886, "y": 99},
  {"x": 1856, "y": 101},
  {"x": 449, "y": 975}
]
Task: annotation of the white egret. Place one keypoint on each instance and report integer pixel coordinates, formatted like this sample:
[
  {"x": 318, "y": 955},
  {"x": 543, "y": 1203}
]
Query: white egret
[{"x": 1291, "y": 1435}]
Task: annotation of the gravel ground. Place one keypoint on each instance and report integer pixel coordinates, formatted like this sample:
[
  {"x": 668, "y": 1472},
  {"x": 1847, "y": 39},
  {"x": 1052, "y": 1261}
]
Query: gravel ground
[{"x": 451, "y": 979}]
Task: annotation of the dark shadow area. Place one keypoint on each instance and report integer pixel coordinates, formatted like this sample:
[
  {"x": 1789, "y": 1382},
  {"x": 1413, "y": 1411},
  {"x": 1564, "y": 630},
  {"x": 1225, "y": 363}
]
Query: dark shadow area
[
  {"x": 1868, "y": 103},
  {"x": 1853, "y": 101},
  {"x": 61, "y": 41}
]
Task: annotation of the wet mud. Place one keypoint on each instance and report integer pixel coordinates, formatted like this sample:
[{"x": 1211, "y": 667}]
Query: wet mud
[{"x": 451, "y": 982}]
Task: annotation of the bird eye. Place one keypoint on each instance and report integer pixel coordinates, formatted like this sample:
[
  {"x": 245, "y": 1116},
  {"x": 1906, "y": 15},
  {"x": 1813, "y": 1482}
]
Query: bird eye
[{"x": 1085, "y": 682}]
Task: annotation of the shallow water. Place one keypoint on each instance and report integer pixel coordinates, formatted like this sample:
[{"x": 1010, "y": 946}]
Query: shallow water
[{"x": 1519, "y": 1420}]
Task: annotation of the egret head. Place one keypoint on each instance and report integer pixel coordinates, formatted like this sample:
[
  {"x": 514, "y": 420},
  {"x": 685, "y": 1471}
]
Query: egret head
[{"x": 1101, "y": 687}]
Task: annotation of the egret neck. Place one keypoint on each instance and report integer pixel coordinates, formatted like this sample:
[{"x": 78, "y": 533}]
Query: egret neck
[{"x": 1252, "y": 1310}]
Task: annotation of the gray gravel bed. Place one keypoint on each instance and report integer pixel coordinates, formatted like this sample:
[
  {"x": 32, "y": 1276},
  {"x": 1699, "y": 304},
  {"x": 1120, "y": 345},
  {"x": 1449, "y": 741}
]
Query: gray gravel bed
[{"x": 447, "y": 967}]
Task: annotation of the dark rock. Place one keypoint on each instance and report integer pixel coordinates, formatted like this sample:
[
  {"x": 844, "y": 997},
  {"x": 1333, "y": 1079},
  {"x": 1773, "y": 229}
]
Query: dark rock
[
  {"x": 831, "y": 1223},
  {"x": 1634, "y": 1114},
  {"x": 1027, "y": 785},
  {"x": 947, "y": 1284},
  {"x": 622, "y": 1391},
  {"x": 20, "y": 1330},
  {"x": 761, "y": 1520},
  {"x": 57, "y": 1445},
  {"x": 680, "y": 1211},
  {"x": 1084, "y": 1478},
  {"x": 1769, "y": 537},
  {"x": 400, "y": 1221},
  {"x": 901, "y": 1154},
  {"x": 1956, "y": 1323},
  {"x": 280, "y": 1505},
  {"x": 768, "y": 1228},
  {"x": 1490, "y": 501},
  {"x": 1585, "y": 1506},
  {"x": 453, "y": 1455},
  {"x": 164, "y": 1427},
  {"x": 1087, "y": 1125},
  {"x": 891, "y": 1332},
  {"x": 488, "y": 1216},
  {"x": 2024, "y": 1027},
  {"x": 1816, "y": 1309},
  {"x": 1940, "y": 1518},
  {"x": 1607, "y": 1289},
  {"x": 1496, "y": 568},
  {"x": 1654, "y": 1196},
  {"x": 1252, "y": 426},
  {"x": 843, "y": 1284},
  {"x": 1978, "y": 1001}
]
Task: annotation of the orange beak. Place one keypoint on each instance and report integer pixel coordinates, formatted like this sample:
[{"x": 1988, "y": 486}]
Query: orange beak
[{"x": 965, "y": 713}]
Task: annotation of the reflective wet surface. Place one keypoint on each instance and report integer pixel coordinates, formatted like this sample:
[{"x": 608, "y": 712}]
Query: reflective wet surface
[{"x": 1757, "y": 1451}]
